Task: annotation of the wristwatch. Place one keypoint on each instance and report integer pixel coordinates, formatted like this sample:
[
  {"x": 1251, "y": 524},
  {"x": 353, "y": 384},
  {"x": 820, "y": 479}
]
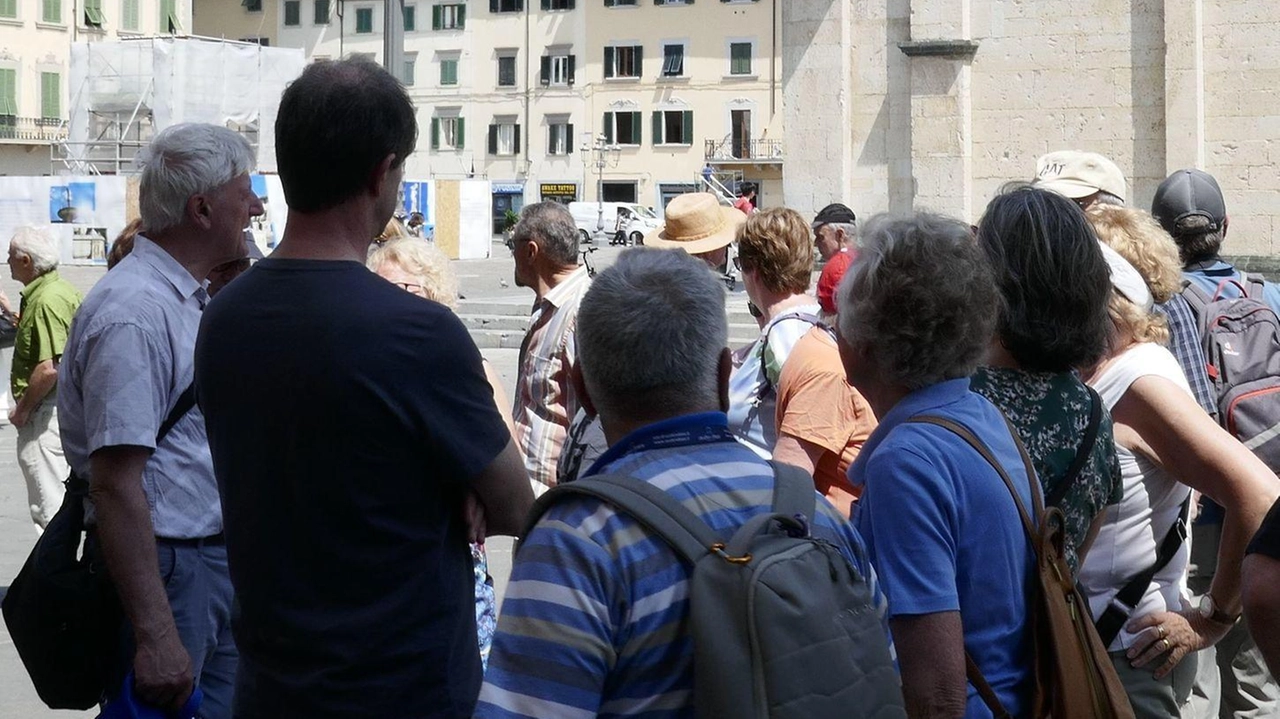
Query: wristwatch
[{"x": 1209, "y": 610}]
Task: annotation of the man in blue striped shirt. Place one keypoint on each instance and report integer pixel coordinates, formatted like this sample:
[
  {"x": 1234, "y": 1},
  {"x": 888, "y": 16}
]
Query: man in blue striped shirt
[{"x": 595, "y": 620}]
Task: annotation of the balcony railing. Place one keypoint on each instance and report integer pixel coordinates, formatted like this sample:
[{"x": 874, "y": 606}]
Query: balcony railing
[
  {"x": 740, "y": 150},
  {"x": 35, "y": 129}
]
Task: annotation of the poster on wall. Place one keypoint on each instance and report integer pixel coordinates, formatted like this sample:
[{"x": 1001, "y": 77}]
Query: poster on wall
[
  {"x": 84, "y": 213},
  {"x": 416, "y": 198},
  {"x": 268, "y": 228}
]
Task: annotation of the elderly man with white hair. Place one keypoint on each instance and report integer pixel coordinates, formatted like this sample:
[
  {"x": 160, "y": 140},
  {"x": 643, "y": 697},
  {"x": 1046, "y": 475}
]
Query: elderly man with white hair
[
  {"x": 44, "y": 317},
  {"x": 127, "y": 373}
]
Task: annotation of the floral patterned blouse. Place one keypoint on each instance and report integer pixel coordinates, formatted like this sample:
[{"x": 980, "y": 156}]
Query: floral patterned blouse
[{"x": 1051, "y": 413}]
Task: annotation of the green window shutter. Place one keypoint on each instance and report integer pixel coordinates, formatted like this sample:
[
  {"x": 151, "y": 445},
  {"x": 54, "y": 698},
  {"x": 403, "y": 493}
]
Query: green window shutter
[
  {"x": 544, "y": 70},
  {"x": 129, "y": 15},
  {"x": 292, "y": 12},
  {"x": 51, "y": 95},
  {"x": 546, "y": 4},
  {"x": 8, "y": 92},
  {"x": 517, "y": 140},
  {"x": 608, "y": 61},
  {"x": 639, "y": 55},
  {"x": 495, "y": 6},
  {"x": 460, "y": 134},
  {"x": 657, "y": 127},
  {"x": 410, "y": 18},
  {"x": 493, "y": 139},
  {"x": 93, "y": 13},
  {"x": 608, "y": 3},
  {"x": 52, "y": 11},
  {"x": 168, "y": 16},
  {"x": 364, "y": 20},
  {"x": 321, "y": 12},
  {"x": 436, "y": 13},
  {"x": 568, "y": 141},
  {"x": 9, "y": 8},
  {"x": 688, "y": 127},
  {"x": 636, "y": 137},
  {"x": 435, "y": 133},
  {"x": 573, "y": 62},
  {"x": 462, "y": 16},
  {"x": 740, "y": 58},
  {"x": 608, "y": 128}
]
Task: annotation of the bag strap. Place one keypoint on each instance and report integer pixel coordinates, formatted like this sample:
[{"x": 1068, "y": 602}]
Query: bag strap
[
  {"x": 1083, "y": 454},
  {"x": 1254, "y": 286},
  {"x": 808, "y": 317},
  {"x": 186, "y": 401},
  {"x": 793, "y": 491},
  {"x": 972, "y": 671},
  {"x": 1126, "y": 600},
  {"x": 979, "y": 682}
]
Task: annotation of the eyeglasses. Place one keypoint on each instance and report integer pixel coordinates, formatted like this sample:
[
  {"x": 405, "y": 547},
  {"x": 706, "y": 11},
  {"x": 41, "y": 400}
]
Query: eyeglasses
[
  {"x": 410, "y": 287},
  {"x": 737, "y": 262}
]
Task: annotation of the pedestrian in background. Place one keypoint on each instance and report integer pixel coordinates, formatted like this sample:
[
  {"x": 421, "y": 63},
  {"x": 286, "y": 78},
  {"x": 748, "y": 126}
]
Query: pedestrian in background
[{"x": 44, "y": 318}]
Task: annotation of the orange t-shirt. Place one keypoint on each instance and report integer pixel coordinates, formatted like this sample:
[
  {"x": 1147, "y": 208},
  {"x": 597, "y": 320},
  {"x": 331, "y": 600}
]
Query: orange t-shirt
[{"x": 816, "y": 403}]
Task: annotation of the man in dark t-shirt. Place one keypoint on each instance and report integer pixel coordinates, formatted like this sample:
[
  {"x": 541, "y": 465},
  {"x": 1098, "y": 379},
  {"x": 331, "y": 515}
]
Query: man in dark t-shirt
[{"x": 354, "y": 437}]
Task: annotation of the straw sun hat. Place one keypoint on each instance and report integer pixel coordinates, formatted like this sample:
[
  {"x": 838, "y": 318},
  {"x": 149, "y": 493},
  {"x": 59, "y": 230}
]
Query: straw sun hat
[{"x": 696, "y": 222}]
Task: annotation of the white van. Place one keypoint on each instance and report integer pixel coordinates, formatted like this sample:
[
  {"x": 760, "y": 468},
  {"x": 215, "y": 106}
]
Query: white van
[{"x": 639, "y": 220}]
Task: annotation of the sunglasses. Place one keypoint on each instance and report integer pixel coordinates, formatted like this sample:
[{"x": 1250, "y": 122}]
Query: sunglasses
[{"x": 409, "y": 287}]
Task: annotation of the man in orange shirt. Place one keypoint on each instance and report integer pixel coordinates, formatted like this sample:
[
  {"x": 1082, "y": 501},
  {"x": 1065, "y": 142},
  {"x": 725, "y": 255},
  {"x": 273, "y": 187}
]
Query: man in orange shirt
[{"x": 822, "y": 419}]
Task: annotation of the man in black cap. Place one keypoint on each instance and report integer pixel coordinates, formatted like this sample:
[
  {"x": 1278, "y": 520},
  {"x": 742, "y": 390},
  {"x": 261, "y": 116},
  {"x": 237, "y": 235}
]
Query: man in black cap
[
  {"x": 1190, "y": 207},
  {"x": 1232, "y": 679},
  {"x": 834, "y": 229}
]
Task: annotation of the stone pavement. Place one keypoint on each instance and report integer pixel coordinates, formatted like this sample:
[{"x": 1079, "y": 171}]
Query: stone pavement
[{"x": 490, "y": 293}]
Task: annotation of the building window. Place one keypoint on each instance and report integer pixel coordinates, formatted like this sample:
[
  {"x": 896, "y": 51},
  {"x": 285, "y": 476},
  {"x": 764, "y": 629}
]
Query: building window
[
  {"x": 448, "y": 17},
  {"x": 557, "y": 70},
  {"x": 673, "y": 127},
  {"x": 623, "y": 61},
  {"x": 129, "y": 15},
  {"x": 292, "y": 13},
  {"x": 169, "y": 17},
  {"x": 9, "y": 8},
  {"x": 504, "y": 138},
  {"x": 410, "y": 68},
  {"x": 739, "y": 58},
  {"x": 449, "y": 71},
  {"x": 364, "y": 20},
  {"x": 263, "y": 41},
  {"x": 252, "y": 5},
  {"x": 321, "y": 12},
  {"x": 448, "y": 133},
  {"x": 557, "y": 4},
  {"x": 673, "y": 60},
  {"x": 507, "y": 71},
  {"x": 92, "y": 13},
  {"x": 50, "y": 96},
  {"x": 621, "y": 3},
  {"x": 560, "y": 138},
  {"x": 506, "y": 5},
  {"x": 622, "y": 128},
  {"x": 8, "y": 91},
  {"x": 51, "y": 11},
  {"x": 410, "y": 18}
]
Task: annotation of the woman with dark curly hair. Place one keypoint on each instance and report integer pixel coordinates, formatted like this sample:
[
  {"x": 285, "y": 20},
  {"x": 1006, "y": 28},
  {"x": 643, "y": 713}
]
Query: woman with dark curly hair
[
  {"x": 916, "y": 315},
  {"x": 1053, "y": 320}
]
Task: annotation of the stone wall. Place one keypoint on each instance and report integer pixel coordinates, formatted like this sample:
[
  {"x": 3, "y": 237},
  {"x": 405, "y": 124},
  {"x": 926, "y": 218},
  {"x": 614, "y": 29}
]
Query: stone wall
[{"x": 1154, "y": 85}]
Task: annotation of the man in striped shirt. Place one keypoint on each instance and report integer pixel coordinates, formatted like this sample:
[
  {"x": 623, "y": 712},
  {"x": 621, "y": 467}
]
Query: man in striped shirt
[
  {"x": 545, "y": 246},
  {"x": 596, "y": 617}
]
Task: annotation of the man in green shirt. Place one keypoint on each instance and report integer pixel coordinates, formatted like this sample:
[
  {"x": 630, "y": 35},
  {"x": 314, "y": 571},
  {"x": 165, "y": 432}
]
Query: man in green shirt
[{"x": 44, "y": 317}]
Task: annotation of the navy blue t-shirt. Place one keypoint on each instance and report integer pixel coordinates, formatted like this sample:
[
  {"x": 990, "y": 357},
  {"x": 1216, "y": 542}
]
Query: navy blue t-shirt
[{"x": 346, "y": 418}]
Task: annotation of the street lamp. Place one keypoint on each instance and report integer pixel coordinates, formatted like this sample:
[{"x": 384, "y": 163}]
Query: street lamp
[{"x": 599, "y": 153}]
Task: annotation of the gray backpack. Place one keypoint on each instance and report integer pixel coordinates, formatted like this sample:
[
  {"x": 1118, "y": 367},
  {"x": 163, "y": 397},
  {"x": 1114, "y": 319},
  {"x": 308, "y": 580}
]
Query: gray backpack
[
  {"x": 783, "y": 625},
  {"x": 1241, "y": 337}
]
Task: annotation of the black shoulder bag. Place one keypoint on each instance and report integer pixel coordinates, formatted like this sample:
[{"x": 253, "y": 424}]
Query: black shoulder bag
[{"x": 62, "y": 611}]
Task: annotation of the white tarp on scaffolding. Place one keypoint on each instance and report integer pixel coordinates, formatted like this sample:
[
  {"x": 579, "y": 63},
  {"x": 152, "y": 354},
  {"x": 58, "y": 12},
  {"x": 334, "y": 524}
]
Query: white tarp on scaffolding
[{"x": 178, "y": 80}]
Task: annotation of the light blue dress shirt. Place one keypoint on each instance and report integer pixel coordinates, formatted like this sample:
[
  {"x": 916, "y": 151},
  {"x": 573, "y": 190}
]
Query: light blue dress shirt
[{"x": 129, "y": 357}]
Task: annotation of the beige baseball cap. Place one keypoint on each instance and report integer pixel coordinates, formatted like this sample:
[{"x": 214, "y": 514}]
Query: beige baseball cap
[{"x": 1075, "y": 174}]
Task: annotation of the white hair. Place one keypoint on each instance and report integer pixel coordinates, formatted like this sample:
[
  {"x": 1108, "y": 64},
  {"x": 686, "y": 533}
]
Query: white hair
[
  {"x": 39, "y": 244},
  {"x": 186, "y": 160},
  {"x": 650, "y": 333},
  {"x": 850, "y": 229}
]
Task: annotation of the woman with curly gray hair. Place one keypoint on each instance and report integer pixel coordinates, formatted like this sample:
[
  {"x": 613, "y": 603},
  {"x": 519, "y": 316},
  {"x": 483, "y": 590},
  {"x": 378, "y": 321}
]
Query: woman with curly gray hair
[{"x": 916, "y": 314}]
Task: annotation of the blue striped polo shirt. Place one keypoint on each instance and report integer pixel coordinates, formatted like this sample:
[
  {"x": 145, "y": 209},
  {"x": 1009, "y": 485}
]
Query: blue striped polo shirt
[{"x": 595, "y": 619}]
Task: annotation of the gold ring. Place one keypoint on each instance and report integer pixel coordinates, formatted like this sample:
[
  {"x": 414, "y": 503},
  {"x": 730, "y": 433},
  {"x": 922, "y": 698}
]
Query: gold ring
[
  {"x": 1167, "y": 645},
  {"x": 1162, "y": 632}
]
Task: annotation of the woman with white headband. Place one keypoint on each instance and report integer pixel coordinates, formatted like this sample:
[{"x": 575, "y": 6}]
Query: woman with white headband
[{"x": 1134, "y": 575}]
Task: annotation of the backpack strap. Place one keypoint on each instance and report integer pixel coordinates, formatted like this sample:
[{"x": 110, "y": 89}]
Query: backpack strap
[
  {"x": 186, "y": 401},
  {"x": 979, "y": 682},
  {"x": 1254, "y": 286},
  {"x": 812, "y": 319},
  {"x": 793, "y": 491},
  {"x": 653, "y": 508},
  {"x": 1126, "y": 600},
  {"x": 1082, "y": 454}
]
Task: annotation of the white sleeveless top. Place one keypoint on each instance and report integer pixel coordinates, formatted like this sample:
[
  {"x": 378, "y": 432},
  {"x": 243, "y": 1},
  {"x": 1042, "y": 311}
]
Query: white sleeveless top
[{"x": 1134, "y": 528}]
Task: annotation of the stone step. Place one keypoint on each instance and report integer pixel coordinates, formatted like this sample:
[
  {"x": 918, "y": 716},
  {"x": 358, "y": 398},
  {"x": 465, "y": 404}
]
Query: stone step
[{"x": 506, "y": 323}]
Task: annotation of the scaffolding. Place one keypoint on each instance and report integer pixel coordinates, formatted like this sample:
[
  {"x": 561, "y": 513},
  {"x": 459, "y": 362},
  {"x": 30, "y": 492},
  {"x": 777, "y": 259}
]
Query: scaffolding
[{"x": 124, "y": 92}]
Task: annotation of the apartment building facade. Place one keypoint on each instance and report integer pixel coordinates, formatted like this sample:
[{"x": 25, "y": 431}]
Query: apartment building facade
[
  {"x": 35, "y": 45},
  {"x": 242, "y": 20},
  {"x": 514, "y": 90}
]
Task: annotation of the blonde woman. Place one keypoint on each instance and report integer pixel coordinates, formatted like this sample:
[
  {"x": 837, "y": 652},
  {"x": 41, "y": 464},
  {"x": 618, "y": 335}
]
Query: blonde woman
[
  {"x": 1167, "y": 446},
  {"x": 419, "y": 268}
]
